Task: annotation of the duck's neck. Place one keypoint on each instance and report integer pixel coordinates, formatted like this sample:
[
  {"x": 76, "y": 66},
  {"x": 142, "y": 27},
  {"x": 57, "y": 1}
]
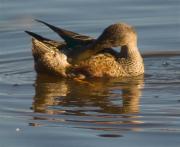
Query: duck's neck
[{"x": 130, "y": 51}]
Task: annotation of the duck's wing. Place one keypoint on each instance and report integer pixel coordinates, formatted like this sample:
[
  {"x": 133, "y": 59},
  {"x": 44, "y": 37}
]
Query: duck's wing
[
  {"x": 54, "y": 44},
  {"x": 36, "y": 36},
  {"x": 71, "y": 38}
]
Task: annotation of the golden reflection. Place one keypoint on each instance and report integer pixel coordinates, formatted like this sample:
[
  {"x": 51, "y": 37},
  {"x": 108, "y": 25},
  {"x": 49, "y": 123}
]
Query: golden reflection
[{"x": 93, "y": 97}]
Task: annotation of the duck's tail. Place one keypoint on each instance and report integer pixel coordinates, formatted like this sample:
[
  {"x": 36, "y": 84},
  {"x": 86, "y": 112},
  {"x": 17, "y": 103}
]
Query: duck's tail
[
  {"x": 39, "y": 43},
  {"x": 47, "y": 58}
]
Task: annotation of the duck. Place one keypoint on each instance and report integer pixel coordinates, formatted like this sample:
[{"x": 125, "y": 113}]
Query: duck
[{"x": 86, "y": 57}]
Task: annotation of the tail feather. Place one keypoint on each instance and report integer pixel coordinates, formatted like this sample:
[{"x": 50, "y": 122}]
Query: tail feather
[
  {"x": 65, "y": 34},
  {"x": 71, "y": 38},
  {"x": 36, "y": 36}
]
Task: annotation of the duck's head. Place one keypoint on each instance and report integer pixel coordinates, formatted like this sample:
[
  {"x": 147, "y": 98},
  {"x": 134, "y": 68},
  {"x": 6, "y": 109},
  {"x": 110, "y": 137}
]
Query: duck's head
[
  {"x": 116, "y": 35},
  {"x": 119, "y": 34}
]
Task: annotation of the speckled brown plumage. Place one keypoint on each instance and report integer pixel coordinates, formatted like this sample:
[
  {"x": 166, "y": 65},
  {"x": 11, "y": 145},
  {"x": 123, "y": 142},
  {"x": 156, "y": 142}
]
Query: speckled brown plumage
[
  {"x": 87, "y": 56},
  {"x": 49, "y": 60}
]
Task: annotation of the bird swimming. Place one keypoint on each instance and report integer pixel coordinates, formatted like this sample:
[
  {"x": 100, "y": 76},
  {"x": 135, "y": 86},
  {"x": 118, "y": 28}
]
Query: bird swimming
[{"x": 82, "y": 56}]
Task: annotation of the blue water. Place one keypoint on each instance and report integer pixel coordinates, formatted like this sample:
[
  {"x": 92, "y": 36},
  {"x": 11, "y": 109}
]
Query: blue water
[{"x": 45, "y": 111}]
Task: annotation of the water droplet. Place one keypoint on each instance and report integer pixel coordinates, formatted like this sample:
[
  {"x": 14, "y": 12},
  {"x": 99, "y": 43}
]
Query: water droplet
[{"x": 17, "y": 129}]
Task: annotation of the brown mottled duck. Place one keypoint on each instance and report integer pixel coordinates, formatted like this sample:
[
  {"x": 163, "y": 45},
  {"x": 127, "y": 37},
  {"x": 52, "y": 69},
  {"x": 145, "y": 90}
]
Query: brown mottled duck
[{"x": 82, "y": 56}]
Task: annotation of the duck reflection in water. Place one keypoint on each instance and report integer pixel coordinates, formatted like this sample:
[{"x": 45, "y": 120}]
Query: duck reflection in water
[{"x": 87, "y": 98}]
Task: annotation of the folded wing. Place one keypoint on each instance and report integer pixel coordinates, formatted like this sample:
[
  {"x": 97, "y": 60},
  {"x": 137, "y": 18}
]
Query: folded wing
[{"x": 71, "y": 38}]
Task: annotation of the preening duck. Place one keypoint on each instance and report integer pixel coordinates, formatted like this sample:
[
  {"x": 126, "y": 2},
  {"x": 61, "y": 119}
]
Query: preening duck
[{"x": 81, "y": 55}]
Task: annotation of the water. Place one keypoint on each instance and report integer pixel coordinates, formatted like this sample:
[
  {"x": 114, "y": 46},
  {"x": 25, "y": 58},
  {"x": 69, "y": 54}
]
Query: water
[{"x": 44, "y": 111}]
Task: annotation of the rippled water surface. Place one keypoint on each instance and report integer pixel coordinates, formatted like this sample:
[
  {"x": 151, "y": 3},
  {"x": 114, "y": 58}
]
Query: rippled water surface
[{"x": 44, "y": 111}]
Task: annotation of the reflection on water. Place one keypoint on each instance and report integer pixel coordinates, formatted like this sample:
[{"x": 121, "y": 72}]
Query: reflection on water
[{"x": 100, "y": 102}]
